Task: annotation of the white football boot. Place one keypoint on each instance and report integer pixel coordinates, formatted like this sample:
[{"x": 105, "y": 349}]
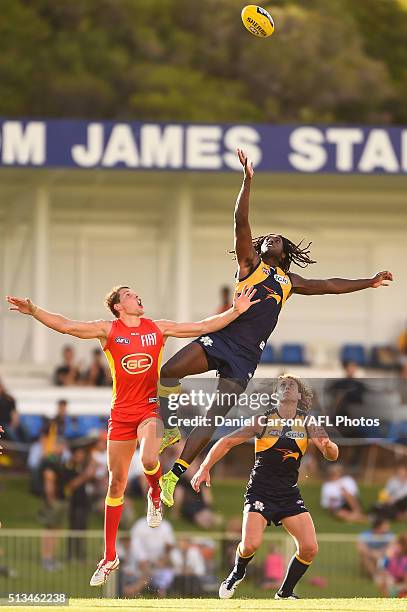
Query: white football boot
[
  {"x": 154, "y": 512},
  {"x": 228, "y": 587},
  {"x": 103, "y": 571}
]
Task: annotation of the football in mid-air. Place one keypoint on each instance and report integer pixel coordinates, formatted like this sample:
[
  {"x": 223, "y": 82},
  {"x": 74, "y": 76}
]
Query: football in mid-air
[{"x": 258, "y": 21}]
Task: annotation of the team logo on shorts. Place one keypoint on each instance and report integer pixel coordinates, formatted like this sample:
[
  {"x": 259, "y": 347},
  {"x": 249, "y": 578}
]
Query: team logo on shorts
[
  {"x": 137, "y": 363},
  {"x": 206, "y": 341},
  {"x": 258, "y": 505}
]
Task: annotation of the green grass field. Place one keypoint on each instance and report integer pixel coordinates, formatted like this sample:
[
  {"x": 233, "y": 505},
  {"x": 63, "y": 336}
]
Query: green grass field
[
  {"x": 336, "y": 563},
  {"x": 203, "y": 605}
]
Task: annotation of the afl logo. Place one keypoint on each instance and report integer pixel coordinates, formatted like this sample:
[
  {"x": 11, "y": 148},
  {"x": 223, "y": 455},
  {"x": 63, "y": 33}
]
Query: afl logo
[{"x": 137, "y": 363}]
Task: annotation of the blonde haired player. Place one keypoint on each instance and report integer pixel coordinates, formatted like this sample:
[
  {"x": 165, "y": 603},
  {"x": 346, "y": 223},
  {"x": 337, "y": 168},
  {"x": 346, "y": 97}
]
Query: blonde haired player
[
  {"x": 272, "y": 494},
  {"x": 133, "y": 347}
]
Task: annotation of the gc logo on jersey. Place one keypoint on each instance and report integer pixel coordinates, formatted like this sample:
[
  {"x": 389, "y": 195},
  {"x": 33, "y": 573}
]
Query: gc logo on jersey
[
  {"x": 137, "y": 363},
  {"x": 121, "y": 340}
]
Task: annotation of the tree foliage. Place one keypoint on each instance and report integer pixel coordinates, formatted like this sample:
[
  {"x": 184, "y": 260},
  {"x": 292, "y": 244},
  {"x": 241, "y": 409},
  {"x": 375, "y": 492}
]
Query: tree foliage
[{"x": 182, "y": 60}]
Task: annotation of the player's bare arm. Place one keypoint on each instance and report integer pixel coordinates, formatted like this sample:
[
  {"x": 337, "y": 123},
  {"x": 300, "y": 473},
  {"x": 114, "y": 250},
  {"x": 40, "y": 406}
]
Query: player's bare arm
[
  {"x": 81, "y": 329},
  {"x": 246, "y": 255},
  {"x": 320, "y": 438},
  {"x": 220, "y": 449},
  {"x": 305, "y": 286},
  {"x": 241, "y": 303}
]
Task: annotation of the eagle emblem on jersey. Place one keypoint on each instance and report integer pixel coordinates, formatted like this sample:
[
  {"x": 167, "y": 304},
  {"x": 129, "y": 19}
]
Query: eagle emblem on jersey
[
  {"x": 272, "y": 294},
  {"x": 287, "y": 453}
]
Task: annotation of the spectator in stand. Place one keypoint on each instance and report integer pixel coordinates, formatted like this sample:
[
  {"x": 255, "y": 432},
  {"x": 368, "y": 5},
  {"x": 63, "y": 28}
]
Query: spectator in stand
[
  {"x": 101, "y": 476},
  {"x": 68, "y": 372},
  {"x": 78, "y": 471},
  {"x": 190, "y": 568},
  {"x": 53, "y": 513},
  {"x": 98, "y": 374},
  {"x": 225, "y": 299},
  {"x": 402, "y": 345},
  {"x": 340, "y": 496},
  {"x": 150, "y": 558},
  {"x": 10, "y": 419},
  {"x": 274, "y": 568},
  {"x": 372, "y": 545},
  {"x": 393, "y": 498},
  {"x": 195, "y": 507},
  {"x": 392, "y": 578}
]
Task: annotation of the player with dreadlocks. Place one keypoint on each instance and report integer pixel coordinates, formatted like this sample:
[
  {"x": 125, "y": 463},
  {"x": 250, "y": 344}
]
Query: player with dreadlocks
[{"x": 235, "y": 351}]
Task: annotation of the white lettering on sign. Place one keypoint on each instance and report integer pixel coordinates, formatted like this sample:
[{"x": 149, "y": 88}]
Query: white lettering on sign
[
  {"x": 310, "y": 153},
  {"x": 171, "y": 146},
  {"x": 161, "y": 147},
  {"x": 242, "y": 137},
  {"x": 24, "y": 145},
  {"x": 89, "y": 156},
  {"x": 378, "y": 153},
  {"x": 203, "y": 147},
  {"x": 344, "y": 139}
]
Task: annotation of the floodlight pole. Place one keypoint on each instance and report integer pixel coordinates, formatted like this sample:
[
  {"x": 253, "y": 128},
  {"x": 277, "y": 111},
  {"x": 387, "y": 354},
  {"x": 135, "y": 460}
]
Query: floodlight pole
[{"x": 41, "y": 233}]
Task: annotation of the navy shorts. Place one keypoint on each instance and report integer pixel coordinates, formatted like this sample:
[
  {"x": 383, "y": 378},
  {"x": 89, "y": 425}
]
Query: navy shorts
[
  {"x": 229, "y": 359},
  {"x": 274, "y": 508}
]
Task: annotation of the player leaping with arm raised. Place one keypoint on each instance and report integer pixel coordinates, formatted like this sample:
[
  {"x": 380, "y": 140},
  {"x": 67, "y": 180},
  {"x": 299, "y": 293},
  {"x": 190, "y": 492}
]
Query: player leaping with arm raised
[
  {"x": 235, "y": 351},
  {"x": 133, "y": 347}
]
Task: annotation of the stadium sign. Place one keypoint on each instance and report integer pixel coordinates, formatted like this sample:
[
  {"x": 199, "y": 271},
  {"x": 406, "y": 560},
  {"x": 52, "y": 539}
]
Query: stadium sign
[{"x": 202, "y": 147}]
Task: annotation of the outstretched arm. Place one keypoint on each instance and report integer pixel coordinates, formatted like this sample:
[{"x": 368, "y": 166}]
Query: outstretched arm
[
  {"x": 307, "y": 286},
  {"x": 219, "y": 450},
  {"x": 246, "y": 255},
  {"x": 320, "y": 438},
  {"x": 241, "y": 303},
  {"x": 80, "y": 329}
]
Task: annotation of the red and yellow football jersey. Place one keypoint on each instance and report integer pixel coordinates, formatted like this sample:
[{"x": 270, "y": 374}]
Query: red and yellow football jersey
[{"x": 134, "y": 356}]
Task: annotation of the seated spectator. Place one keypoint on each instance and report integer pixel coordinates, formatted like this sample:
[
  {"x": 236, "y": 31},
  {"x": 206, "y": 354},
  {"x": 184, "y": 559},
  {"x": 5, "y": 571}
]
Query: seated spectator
[
  {"x": 195, "y": 507},
  {"x": 372, "y": 545},
  {"x": 274, "y": 568},
  {"x": 98, "y": 375},
  {"x": 150, "y": 558},
  {"x": 392, "y": 578},
  {"x": 190, "y": 568},
  {"x": 67, "y": 373},
  {"x": 10, "y": 419},
  {"x": 393, "y": 498},
  {"x": 339, "y": 495}
]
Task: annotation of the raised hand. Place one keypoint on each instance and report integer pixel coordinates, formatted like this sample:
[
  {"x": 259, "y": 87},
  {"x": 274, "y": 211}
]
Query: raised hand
[
  {"x": 23, "y": 305},
  {"x": 242, "y": 301},
  {"x": 382, "y": 279},
  {"x": 248, "y": 170}
]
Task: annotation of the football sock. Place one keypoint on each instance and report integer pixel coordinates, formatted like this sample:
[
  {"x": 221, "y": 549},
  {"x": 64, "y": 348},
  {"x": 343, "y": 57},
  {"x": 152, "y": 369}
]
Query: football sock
[
  {"x": 179, "y": 467},
  {"x": 296, "y": 569},
  {"x": 152, "y": 477},
  {"x": 113, "y": 513},
  {"x": 241, "y": 563},
  {"x": 166, "y": 411}
]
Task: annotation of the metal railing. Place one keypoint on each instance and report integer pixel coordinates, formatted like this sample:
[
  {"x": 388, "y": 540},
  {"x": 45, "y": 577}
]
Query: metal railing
[{"x": 334, "y": 573}]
